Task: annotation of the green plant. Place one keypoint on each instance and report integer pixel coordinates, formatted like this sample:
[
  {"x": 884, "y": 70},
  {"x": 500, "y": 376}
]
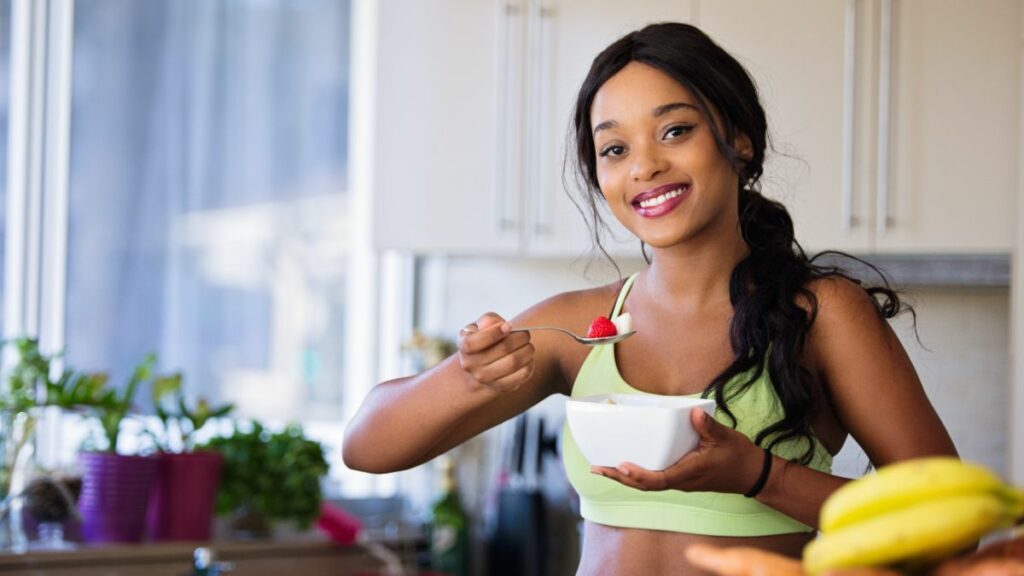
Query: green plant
[
  {"x": 179, "y": 421},
  {"x": 29, "y": 384},
  {"x": 112, "y": 406},
  {"x": 276, "y": 474}
]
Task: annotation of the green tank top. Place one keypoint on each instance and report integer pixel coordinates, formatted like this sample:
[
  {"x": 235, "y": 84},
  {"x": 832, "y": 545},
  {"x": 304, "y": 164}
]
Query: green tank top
[{"x": 608, "y": 502}]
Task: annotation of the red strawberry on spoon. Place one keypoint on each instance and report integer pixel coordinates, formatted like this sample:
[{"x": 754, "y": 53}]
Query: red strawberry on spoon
[{"x": 601, "y": 327}]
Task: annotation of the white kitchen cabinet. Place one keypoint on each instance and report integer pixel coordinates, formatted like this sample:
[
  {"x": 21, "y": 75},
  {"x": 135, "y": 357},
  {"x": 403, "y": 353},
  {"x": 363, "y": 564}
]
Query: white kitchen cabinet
[
  {"x": 796, "y": 52},
  {"x": 439, "y": 88},
  {"x": 895, "y": 134},
  {"x": 955, "y": 127},
  {"x": 472, "y": 115},
  {"x": 901, "y": 117}
]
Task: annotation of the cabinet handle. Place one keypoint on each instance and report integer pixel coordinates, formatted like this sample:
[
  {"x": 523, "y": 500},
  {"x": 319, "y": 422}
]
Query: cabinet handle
[
  {"x": 849, "y": 219},
  {"x": 884, "y": 111},
  {"x": 539, "y": 99},
  {"x": 509, "y": 126}
]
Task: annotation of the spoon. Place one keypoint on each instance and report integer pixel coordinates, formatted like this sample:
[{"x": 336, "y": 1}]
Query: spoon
[{"x": 581, "y": 339}]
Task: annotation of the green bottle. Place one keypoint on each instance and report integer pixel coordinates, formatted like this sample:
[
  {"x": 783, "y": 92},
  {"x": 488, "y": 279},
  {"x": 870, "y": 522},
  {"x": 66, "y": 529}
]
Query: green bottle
[{"x": 449, "y": 527}]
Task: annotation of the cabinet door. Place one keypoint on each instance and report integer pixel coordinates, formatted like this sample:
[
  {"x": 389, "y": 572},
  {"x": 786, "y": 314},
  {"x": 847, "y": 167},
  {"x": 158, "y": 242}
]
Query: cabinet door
[
  {"x": 566, "y": 36},
  {"x": 446, "y": 76},
  {"x": 796, "y": 52},
  {"x": 955, "y": 126}
]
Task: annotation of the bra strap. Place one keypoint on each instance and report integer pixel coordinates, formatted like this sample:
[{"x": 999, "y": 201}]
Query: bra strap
[{"x": 622, "y": 294}]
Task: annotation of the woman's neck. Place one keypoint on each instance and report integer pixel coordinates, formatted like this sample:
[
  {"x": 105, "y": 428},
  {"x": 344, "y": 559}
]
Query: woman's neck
[{"x": 694, "y": 276}]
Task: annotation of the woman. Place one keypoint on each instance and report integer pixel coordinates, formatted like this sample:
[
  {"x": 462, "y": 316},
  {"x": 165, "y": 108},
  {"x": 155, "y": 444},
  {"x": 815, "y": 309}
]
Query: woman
[{"x": 669, "y": 132}]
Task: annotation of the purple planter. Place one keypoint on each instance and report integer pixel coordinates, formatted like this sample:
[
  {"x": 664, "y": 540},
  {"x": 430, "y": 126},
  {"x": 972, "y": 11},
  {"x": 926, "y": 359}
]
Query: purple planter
[
  {"x": 184, "y": 493},
  {"x": 115, "y": 493}
]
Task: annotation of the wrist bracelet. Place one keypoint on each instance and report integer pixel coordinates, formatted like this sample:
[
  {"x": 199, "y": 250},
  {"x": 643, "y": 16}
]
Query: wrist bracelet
[{"x": 766, "y": 468}]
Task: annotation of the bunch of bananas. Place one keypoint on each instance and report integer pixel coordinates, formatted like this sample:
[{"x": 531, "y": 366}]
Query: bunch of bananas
[{"x": 911, "y": 514}]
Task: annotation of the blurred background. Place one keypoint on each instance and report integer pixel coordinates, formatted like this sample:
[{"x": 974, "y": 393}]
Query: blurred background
[{"x": 292, "y": 200}]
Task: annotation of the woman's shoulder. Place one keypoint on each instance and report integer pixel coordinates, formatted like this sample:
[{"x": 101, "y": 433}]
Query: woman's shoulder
[
  {"x": 569, "y": 309},
  {"x": 840, "y": 300},
  {"x": 846, "y": 319}
]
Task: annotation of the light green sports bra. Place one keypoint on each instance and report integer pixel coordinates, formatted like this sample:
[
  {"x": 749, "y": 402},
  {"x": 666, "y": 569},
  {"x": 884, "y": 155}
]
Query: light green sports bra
[{"x": 606, "y": 501}]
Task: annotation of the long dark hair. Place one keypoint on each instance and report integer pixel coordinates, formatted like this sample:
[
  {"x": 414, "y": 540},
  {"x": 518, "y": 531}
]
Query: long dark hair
[{"x": 769, "y": 326}]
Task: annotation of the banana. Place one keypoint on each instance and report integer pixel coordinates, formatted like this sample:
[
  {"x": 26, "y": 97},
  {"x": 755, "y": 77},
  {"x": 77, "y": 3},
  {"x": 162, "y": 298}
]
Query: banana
[
  {"x": 921, "y": 531},
  {"x": 902, "y": 485}
]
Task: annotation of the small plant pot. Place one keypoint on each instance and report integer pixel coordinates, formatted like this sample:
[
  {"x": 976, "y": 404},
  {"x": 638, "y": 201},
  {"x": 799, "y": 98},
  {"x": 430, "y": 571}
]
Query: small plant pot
[
  {"x": 115, "y": 494},
  {"x": 184, "y": 493}
]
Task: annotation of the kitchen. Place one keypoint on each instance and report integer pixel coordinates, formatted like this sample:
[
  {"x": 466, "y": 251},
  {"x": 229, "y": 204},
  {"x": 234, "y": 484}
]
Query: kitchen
[{"x": 860, "y": 98}]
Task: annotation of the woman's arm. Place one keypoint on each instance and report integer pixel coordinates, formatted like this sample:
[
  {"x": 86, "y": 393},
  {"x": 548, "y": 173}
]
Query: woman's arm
[
  {"x": 494, "y": 376},
  {"x": 873, "y": 390}
]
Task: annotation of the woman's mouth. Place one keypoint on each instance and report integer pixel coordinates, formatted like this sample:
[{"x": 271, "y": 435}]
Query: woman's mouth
[{"x": 661, "y": 200}]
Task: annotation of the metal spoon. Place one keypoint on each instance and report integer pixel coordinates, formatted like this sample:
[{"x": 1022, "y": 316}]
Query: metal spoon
[{"x": 581, "y": 339}]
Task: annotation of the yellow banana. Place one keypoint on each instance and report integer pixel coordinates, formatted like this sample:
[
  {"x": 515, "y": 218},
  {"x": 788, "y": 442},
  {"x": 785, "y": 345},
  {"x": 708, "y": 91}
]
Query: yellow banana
[
  {"x": 920, "y": 531},
  {"x": 902, "y": 485}
]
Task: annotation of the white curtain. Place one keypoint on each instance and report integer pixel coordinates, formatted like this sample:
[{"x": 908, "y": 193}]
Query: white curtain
[{"x": 207, "y": 197}]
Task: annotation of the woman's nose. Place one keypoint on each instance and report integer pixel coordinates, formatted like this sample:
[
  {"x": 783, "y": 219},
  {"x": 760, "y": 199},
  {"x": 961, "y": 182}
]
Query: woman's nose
[{"x": 647, "y": 164}]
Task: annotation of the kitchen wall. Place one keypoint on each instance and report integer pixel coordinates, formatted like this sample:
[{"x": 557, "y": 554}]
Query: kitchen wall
[{"x": 962, "y": 357}]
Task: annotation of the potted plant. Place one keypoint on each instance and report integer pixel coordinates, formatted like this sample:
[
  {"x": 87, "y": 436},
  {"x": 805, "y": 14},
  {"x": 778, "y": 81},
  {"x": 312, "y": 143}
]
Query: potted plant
[
  {"x": 116, "y": 486},
  {"x": 28, "y": 390},
  {"x": 269, "y": 477},
  {"x": 184, "y": 492}
]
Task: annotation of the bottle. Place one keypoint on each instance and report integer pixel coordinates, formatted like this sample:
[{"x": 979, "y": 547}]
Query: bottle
[
  {"x": 449, "y": 527},
  {"x": 202, "y": 562}
]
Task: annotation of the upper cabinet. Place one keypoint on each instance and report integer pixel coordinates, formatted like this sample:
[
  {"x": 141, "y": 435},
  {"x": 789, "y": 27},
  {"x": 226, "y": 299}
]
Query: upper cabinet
[
  {"x": 954, "y": 126},
  {"x": 806, "y": 82},
  {"x": 896, "y": 121},
  {"x": 472, "y": 119}
]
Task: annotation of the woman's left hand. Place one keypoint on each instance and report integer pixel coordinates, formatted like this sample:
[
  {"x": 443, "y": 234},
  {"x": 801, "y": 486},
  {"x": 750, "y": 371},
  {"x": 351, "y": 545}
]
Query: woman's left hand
[{"x": 723, "y": 461}]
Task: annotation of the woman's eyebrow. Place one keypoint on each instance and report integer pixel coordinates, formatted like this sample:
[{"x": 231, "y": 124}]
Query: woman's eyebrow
[
  {"x": 607, "y": 124},
  {"x": 659, "y": 111},
  {"x": 666, "y": 108}
]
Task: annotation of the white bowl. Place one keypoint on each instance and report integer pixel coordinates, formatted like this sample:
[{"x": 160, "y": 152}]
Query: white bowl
[{"x": 651, "y": 431}]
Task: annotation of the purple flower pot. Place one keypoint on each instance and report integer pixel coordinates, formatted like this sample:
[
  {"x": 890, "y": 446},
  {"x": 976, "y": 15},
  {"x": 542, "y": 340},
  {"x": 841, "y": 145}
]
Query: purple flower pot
[
  {"x": 115, "y": 493},
  {"x": 183, "y": 497}
]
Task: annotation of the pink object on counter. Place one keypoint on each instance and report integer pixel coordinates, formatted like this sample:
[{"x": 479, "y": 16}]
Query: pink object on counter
[
  {"x": 181, "y": 504},
  {"x": 341, "y": 526}
]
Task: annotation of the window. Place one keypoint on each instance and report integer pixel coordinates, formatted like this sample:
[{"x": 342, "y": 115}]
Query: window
[
  {"x": 182, "y": 189},
  {"x": 207, "y": 197},
  {"x": 5, "y": 65}
]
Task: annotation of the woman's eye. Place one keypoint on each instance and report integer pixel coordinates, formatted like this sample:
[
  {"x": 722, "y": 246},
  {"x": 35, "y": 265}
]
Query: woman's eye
[
  {"x": 615, "y": 150},
  {"x": 677, "y": 131}
]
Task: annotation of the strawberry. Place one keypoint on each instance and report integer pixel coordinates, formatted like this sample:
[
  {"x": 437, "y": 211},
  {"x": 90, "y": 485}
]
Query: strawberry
[{"x": 601, "y": 327}]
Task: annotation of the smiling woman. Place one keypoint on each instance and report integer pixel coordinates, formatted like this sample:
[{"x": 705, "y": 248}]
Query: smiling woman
[{"x": 670, "y": 134}]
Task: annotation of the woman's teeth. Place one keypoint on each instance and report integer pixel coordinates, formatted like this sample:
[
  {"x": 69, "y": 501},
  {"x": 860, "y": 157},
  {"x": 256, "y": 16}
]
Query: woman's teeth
[{"x": 661, "y": 199}]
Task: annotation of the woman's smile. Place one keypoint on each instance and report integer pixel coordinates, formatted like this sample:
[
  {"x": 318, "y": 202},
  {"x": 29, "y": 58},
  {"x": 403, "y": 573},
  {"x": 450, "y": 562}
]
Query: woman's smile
[{"x": 661, "y": 200}]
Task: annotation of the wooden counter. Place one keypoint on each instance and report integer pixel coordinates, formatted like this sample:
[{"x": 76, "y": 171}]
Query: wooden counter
[{"x": 307, "y": 557}]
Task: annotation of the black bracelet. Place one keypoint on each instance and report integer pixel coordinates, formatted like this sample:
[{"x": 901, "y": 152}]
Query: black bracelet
[{"x": 766, "y": 469}]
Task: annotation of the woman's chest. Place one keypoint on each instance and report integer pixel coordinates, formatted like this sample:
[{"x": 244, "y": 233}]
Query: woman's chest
[{"x": 683, "y": 360}]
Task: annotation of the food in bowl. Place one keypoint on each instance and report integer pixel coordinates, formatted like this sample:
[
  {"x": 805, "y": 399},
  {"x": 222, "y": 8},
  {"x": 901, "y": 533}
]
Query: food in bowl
[{"x": 651, "y": 431}]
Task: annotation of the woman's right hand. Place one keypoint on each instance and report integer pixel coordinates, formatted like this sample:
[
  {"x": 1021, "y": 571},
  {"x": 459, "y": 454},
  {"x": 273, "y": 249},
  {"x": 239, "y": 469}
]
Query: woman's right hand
[{"x": 493, "y": 355}]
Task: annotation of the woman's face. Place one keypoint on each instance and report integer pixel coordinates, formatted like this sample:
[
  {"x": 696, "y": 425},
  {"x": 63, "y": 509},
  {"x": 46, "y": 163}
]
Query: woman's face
[{"x": 657, "y": 163}]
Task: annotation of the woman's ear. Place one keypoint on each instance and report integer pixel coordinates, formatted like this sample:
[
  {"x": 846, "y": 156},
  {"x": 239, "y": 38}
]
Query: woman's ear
[{"x": 743, "y": 146}]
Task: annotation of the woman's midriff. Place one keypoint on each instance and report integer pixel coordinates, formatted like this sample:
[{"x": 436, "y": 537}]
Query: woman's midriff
[{"x": 629, "y": 551}]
